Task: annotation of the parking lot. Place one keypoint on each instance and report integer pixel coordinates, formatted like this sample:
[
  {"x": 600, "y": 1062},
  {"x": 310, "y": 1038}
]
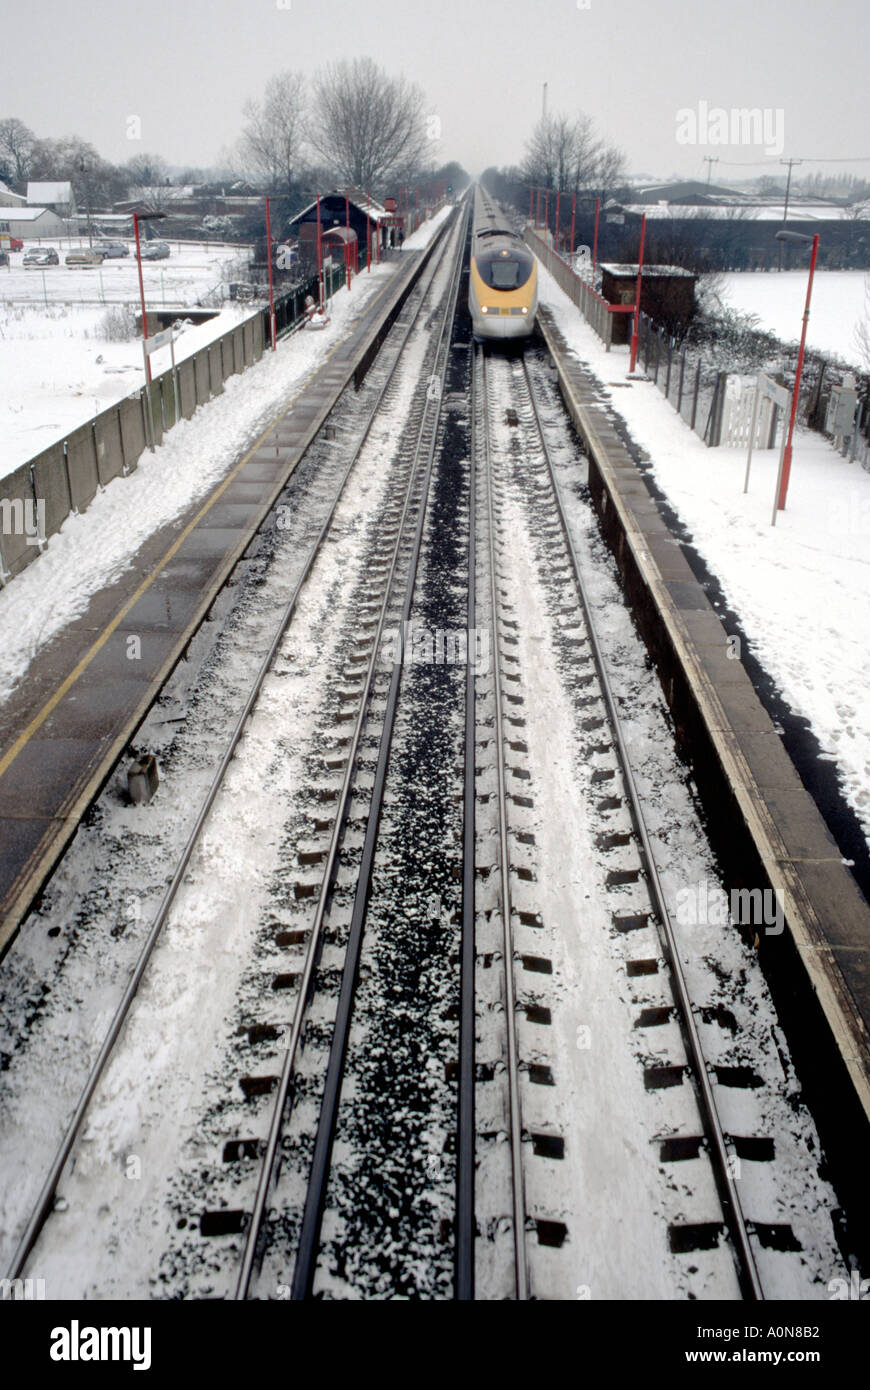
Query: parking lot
[{"x": 191, "y": 271}]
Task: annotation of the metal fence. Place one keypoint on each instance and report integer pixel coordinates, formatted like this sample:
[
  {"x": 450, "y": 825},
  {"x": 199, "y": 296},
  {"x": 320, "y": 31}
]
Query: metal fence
[
  {"x": 597, "y": 312},
  {"x": 38, "y": 496},
  {"x": 694, "y": 387},
  {"x": 697, "y": 390}
]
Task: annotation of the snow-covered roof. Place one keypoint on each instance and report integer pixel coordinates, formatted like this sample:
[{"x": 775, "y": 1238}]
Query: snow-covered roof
[
  {"x": 6, "y": 192},
  {"x": 166, "y": 192},
  {"x": 744, "y": 212},
  {"x": 357, "y": 199},
  {"x": 630, "y": 271},
  {"x": 49, "y": 193},
  {"x": 24, "y": 214}
]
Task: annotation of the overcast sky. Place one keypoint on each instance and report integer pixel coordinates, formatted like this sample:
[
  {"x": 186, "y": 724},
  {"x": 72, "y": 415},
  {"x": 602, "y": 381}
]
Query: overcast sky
[{"x": 186, "y": 67}]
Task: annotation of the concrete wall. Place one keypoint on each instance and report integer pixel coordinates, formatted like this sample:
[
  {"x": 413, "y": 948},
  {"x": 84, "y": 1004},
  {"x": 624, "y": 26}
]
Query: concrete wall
[{"x": 18, "y": 523}]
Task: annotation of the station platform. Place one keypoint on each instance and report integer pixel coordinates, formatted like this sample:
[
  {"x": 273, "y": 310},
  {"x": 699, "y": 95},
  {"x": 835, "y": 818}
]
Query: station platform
[
  {"x": 764, "y": 825},
  {"x": 67, "y": 723}
]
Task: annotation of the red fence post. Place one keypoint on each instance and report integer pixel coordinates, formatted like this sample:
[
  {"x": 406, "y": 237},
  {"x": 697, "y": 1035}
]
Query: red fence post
[{"x": 595, "y": 241}]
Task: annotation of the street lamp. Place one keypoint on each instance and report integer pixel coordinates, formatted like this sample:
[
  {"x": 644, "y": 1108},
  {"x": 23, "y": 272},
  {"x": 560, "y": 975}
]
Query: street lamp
[
  {"x": 799, "y": 239},
  {"x": 137, "y": 218},
  {"x": 635, "y": 322}
]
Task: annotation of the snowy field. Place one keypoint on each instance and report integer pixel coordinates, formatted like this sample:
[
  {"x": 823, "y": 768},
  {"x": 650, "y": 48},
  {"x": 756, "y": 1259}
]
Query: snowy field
[
  {"x": 57, "y": 371},
  {"x": 800, "y": 587},
  {"x": 839, "y": 302}
]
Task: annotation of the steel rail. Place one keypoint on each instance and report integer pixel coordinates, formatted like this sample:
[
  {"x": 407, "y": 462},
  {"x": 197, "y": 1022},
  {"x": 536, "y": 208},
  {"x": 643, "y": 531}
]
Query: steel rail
[
  {"x": 309, "y": 1235},
  {"x": 44, "y": 1201},
  {"x": 465, "y": 1145},
  {"x": 267, "y": 1170},
  {"x": 725, "y": 1182},
  {"x": 510, "y": 1004}
]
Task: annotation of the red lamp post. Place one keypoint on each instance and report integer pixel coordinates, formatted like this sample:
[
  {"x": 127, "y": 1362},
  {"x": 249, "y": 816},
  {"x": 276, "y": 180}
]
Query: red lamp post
[
  {"x": 273, "y": 334},
  {"x": 636, "y": 315},
  {"x": 801, "y": 239},
  {"x": 137, "y": 218},
  {"x": 319, "y": 260}
]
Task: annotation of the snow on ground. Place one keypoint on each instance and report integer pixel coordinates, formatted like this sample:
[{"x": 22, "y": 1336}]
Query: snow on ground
[
  {"x": 45, "y": 395},
  {"x": 420, "y": 239},
  {"x": 839, "y": 303},
  {"x": 92, "y": 549},
  {"x": 57, "y": 370},
  {"x": 800, "y": 588}
]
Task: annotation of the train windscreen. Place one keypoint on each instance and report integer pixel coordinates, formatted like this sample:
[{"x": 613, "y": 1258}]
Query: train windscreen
[{"x": 505, "y": 270}]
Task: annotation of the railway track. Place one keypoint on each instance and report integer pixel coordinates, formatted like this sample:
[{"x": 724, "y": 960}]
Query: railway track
[
  {"x": 43, "y": 1206},
  {"x": 390, "y": 611},
  {"x": 717, "y": 1146},
  {"x": 406, "y": 1129}
]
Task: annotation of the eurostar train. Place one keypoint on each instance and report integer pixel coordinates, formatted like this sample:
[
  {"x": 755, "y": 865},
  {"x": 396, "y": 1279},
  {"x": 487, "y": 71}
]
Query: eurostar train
[{"x": 503, "y": 281}]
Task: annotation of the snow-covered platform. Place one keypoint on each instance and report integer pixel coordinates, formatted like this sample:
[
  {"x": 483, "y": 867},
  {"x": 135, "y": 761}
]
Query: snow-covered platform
[
  {"x": 765, "y": 825},
  {"x": 66, "y": 724}
]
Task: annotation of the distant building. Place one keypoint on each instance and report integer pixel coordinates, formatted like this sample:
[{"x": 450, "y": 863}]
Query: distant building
[
  {"x": 31, "y": 223},
  {"x": 58, "y": 197},
  {"x": 667, "y": 294},
  {"x": 726, "y": 228},
  {"x": 346, "y": 206},
  {"x": 8, "y": 199}
]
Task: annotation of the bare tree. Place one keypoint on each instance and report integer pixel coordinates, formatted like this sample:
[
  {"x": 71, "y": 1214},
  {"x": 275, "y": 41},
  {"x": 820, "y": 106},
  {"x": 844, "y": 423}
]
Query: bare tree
[
  {"x": 272, "y": 137},
  {"x": 862, "y": 328},
  {"x": 566, "y": 153},
  {"x": 147, "y": 170},
  {"x": 95, "y": 182},
  {"x": 367, "y": 126},
  {"x": 16, "y": 148}
]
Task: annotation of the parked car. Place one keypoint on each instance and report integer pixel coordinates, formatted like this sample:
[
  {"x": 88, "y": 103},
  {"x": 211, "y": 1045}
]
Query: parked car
[
  {"x": 155, "y": 250},
  {"x": 41, "y": 255},
  {"x": 114, "y": 248},
  {"x": 78, "y": 260}
]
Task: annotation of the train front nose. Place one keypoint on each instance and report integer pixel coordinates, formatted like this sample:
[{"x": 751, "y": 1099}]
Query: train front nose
[{"x": 508, "y": 325}]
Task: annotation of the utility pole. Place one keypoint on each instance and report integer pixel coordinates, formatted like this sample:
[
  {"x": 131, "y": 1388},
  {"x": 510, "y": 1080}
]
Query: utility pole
[
  {"x": 791, "y": 163},
  {"x": 87, "y": 184},
  {"x": 710, "y": 160}
]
